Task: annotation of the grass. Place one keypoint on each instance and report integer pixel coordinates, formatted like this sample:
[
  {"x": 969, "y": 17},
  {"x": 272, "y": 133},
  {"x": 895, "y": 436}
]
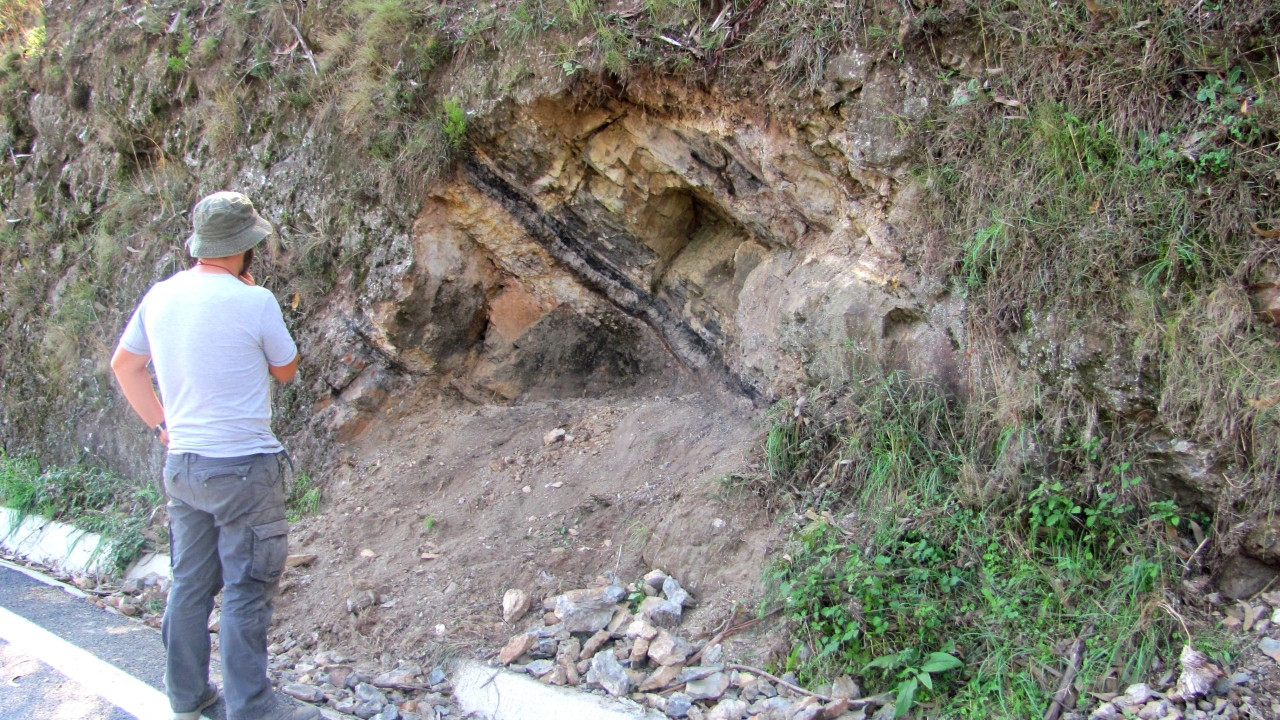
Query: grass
[
  {"x": 901, "y": 561},
  {"x": 92, "y": 500},
  {"x": 303, "y": 499}
]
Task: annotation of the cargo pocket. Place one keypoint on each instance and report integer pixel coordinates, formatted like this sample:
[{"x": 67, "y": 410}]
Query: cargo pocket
[{"x": 270, "y": 545}]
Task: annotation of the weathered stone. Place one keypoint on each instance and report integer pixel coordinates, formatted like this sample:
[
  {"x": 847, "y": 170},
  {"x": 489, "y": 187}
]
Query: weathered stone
[
  {"x": 390, "y": 712},
  {"x": 305, "y": 693},
  {"x": 1243, "y": 577},
  {"x": 365, "y": 692},
  {"x": 844, "y": 688},
  {"x": 593, "y": 644},
  {"x": 553, "y": 436},
  {"x": 518, "y": 645},
  {"x": 713, "y": 654},
  {"x": 661, "y": 612},
  {"x": 367, "y": 710},
  {"x": 436, "y": 677},
  {"x": 544, "y": 647},
  {"x": 661, "y": 678},
  {"x": 697, "y": 672},
  {"x": 566, "y": 656},
  {"x": 676, "y": 594},
  {"x": 515, "y": 603},
  {"x": 621, "y": 618},
  {"x": 654, "y": 579},
  {"x": 538, "y": 668},
  {"x": 728, "y": 710},
  {"x": 299, "y": 560},
  {"x": 406, "y": 674},
  {"x": 588, "y": 610},
  {"x": 639, "y": 652},
  {"x": 641, "y": 628},
  {"x": 610, "y": 675},
  {"x": 678, "y": 705},
  {"x": 709, "y": 688},
  {"x": 668, "y": 649},
  {"x": 1134, "y": 695}
]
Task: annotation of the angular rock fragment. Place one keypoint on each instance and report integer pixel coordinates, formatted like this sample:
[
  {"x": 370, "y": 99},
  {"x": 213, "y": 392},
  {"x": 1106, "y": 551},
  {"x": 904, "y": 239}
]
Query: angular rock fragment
[
  {"x": 609, "y": 673},
  {"x": 516, "y": 646},
  {"x": 711, "y": 687},
  {"x": 588, "y": 610},
  {"x": 515, "y": 603},
  {"x": 668, "y": 649},
  {"x": 661, "y": 612}
]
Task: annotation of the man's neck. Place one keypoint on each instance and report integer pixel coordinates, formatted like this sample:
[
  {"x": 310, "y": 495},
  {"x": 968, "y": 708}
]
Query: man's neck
[{"x": 218, "y": 265}]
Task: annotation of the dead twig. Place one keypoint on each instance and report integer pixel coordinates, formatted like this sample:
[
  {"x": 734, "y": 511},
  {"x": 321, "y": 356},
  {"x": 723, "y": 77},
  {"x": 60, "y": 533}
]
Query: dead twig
[
  {"x": 794, "y": 688},
  {"x": 1073, "y": 667},
  {"x": 726, "y": 631},
  {"x": 298, "y": 34}
]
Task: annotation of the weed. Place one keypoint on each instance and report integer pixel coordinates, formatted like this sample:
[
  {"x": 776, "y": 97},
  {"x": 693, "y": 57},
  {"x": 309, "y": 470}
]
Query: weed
[
  {"x": 429, "y": 523},
  {"x": 303, "y": 499},
  {"x": 926, "y": 589},
  {"x": 90, "y": 499},
  {"x": 454, "y": 123}
]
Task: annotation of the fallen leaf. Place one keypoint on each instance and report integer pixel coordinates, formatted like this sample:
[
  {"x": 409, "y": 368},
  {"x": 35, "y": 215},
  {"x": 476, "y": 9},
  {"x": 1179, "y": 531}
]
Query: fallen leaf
[
  {"x": 1232, "y": 622},
  {"x": 1270, "y": 648},
  {"x": 1265, "y": 233},
  {"x": 429, "y": 556},
  {"x": 297, "y": 298},
  {"x": 1251, "y": 614},
  {"x": 297, "y": 560},
  {"x": 1006, "y": 101}
]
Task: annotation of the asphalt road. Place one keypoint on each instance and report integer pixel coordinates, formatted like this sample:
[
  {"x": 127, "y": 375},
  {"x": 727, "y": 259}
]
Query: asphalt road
[{"x": 30, "y": 689}]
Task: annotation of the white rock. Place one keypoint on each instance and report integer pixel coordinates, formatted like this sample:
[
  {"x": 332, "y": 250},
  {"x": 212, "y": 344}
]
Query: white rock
[
  {"x": 515, "y": 603},
  {"x": 554, "y": 436}
]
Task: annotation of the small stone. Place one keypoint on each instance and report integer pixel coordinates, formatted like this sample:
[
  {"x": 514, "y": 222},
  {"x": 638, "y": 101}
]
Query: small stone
[
  {"x": 668, "y": 649},
  {"x": 1154, "y": 710},
  {"x": 678, "y": 705},
  {"x": 346, "y": 706},
  {"x": 305, "y": 693},
  {"x": 516, "y": 646},
  {"x": 713, "y": 655},
  {"x": 728, "y": 710},
  {"x": 844, "y": 688},
  {"x": 543, "y": 648},
  {"x": 515, "y": 603},
  {"x": 338, "y": 675},
  {"x": 621, "y": 618},
  {"x": 639, "y": 652},
  {"x": 553, "y": 436},
  {"x": 709, "y": 688},
  {"x": 1105, "y": 711},
  {"x": 654, "y": 579},
  {"x": 299, "y": 560},
  {"x": 538, "y": 668},
  {"x": 661, "y": 612},
  {"x": 593, "y": 644},
  {"x": 610, "y": 675},
  {"x": 641, "y": 628},
  {"x": 661, "y": 678},
  {"x": 436, "y": 678},
  {"x": 367, "y": 710},
  {"x": 404, "y": 675},
  {"x": 365, "y": 692},
  {"x": 588, "y": 610},
  {"x": 676, "y": 594},
  {"x": 390, "y": 712},
  {"x": 1135, "y": 695},
  {"x": 129, "y": 609}
]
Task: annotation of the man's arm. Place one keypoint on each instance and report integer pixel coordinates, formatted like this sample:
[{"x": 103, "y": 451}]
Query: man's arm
[
  {"x": 131, "y": 372},
  {"x": 284, "y": 373}
]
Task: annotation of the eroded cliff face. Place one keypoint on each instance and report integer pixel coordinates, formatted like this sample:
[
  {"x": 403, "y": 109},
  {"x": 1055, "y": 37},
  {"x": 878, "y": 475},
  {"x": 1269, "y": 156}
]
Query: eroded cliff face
[{"x": 582, "y": 248}]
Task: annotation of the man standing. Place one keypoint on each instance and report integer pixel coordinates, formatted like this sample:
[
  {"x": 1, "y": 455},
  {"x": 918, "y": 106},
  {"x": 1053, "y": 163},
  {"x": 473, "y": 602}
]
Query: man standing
[{"x": 215, "y": 340}]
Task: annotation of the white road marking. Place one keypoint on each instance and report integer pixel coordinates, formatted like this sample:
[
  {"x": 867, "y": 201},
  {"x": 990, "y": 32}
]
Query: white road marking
[{"x": 97, "y": 676}]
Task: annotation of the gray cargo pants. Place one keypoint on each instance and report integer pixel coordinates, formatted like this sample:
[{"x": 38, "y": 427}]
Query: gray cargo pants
[{"x": 227, "y": 529}]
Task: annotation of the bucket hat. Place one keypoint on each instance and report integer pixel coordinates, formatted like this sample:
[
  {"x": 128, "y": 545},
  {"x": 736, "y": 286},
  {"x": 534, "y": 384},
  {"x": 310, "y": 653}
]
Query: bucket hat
[{"x": 225, "y": 224}]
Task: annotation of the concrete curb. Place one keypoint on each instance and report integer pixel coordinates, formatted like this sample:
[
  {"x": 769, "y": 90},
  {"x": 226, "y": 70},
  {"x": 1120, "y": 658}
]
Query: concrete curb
[
  {"x": 503, "y": 695},
  {"x": 67, "y": 548}
]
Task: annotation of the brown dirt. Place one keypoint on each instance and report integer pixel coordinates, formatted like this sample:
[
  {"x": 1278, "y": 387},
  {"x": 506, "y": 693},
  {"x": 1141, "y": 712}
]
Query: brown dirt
[{"x": 429, "y": 510}]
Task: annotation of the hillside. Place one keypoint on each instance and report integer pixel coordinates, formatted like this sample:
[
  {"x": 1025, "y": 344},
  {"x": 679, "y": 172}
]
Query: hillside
[{"x": 944, "y": 327}]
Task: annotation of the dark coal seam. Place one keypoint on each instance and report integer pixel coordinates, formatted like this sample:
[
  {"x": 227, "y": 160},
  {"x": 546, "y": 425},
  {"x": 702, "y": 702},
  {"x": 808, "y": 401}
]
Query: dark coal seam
[{"x": 567, "y": 237}]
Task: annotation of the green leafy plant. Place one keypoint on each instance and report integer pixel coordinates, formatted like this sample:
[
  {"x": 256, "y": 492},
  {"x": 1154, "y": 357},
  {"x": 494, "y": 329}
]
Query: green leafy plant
[
  {"x": 912, "y": 673},
  {"x": 454, "y": 122},
  {"x": 303, "y": 499}
]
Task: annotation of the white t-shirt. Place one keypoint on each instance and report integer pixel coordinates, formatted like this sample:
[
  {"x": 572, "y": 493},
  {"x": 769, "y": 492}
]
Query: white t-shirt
[{"x": 210, "y": 338}]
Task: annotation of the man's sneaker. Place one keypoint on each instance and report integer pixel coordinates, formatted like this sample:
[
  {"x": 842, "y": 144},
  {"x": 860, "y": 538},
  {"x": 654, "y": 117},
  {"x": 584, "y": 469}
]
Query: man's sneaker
[
  {"x": 210, "y": 697},
  {"x": 283, "y": 711}
]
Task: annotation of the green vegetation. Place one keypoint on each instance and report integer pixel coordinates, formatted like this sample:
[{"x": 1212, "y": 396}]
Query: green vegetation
[
  {"x": 89, "y": 499},
  {"x": 303, "y": 499},
  {"x": 949, "y": 557}
]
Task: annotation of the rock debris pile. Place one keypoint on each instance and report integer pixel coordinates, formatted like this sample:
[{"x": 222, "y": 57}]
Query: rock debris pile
[
  {"x": 626, "y": 642},
  {"x": 404, "y": 692}
]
